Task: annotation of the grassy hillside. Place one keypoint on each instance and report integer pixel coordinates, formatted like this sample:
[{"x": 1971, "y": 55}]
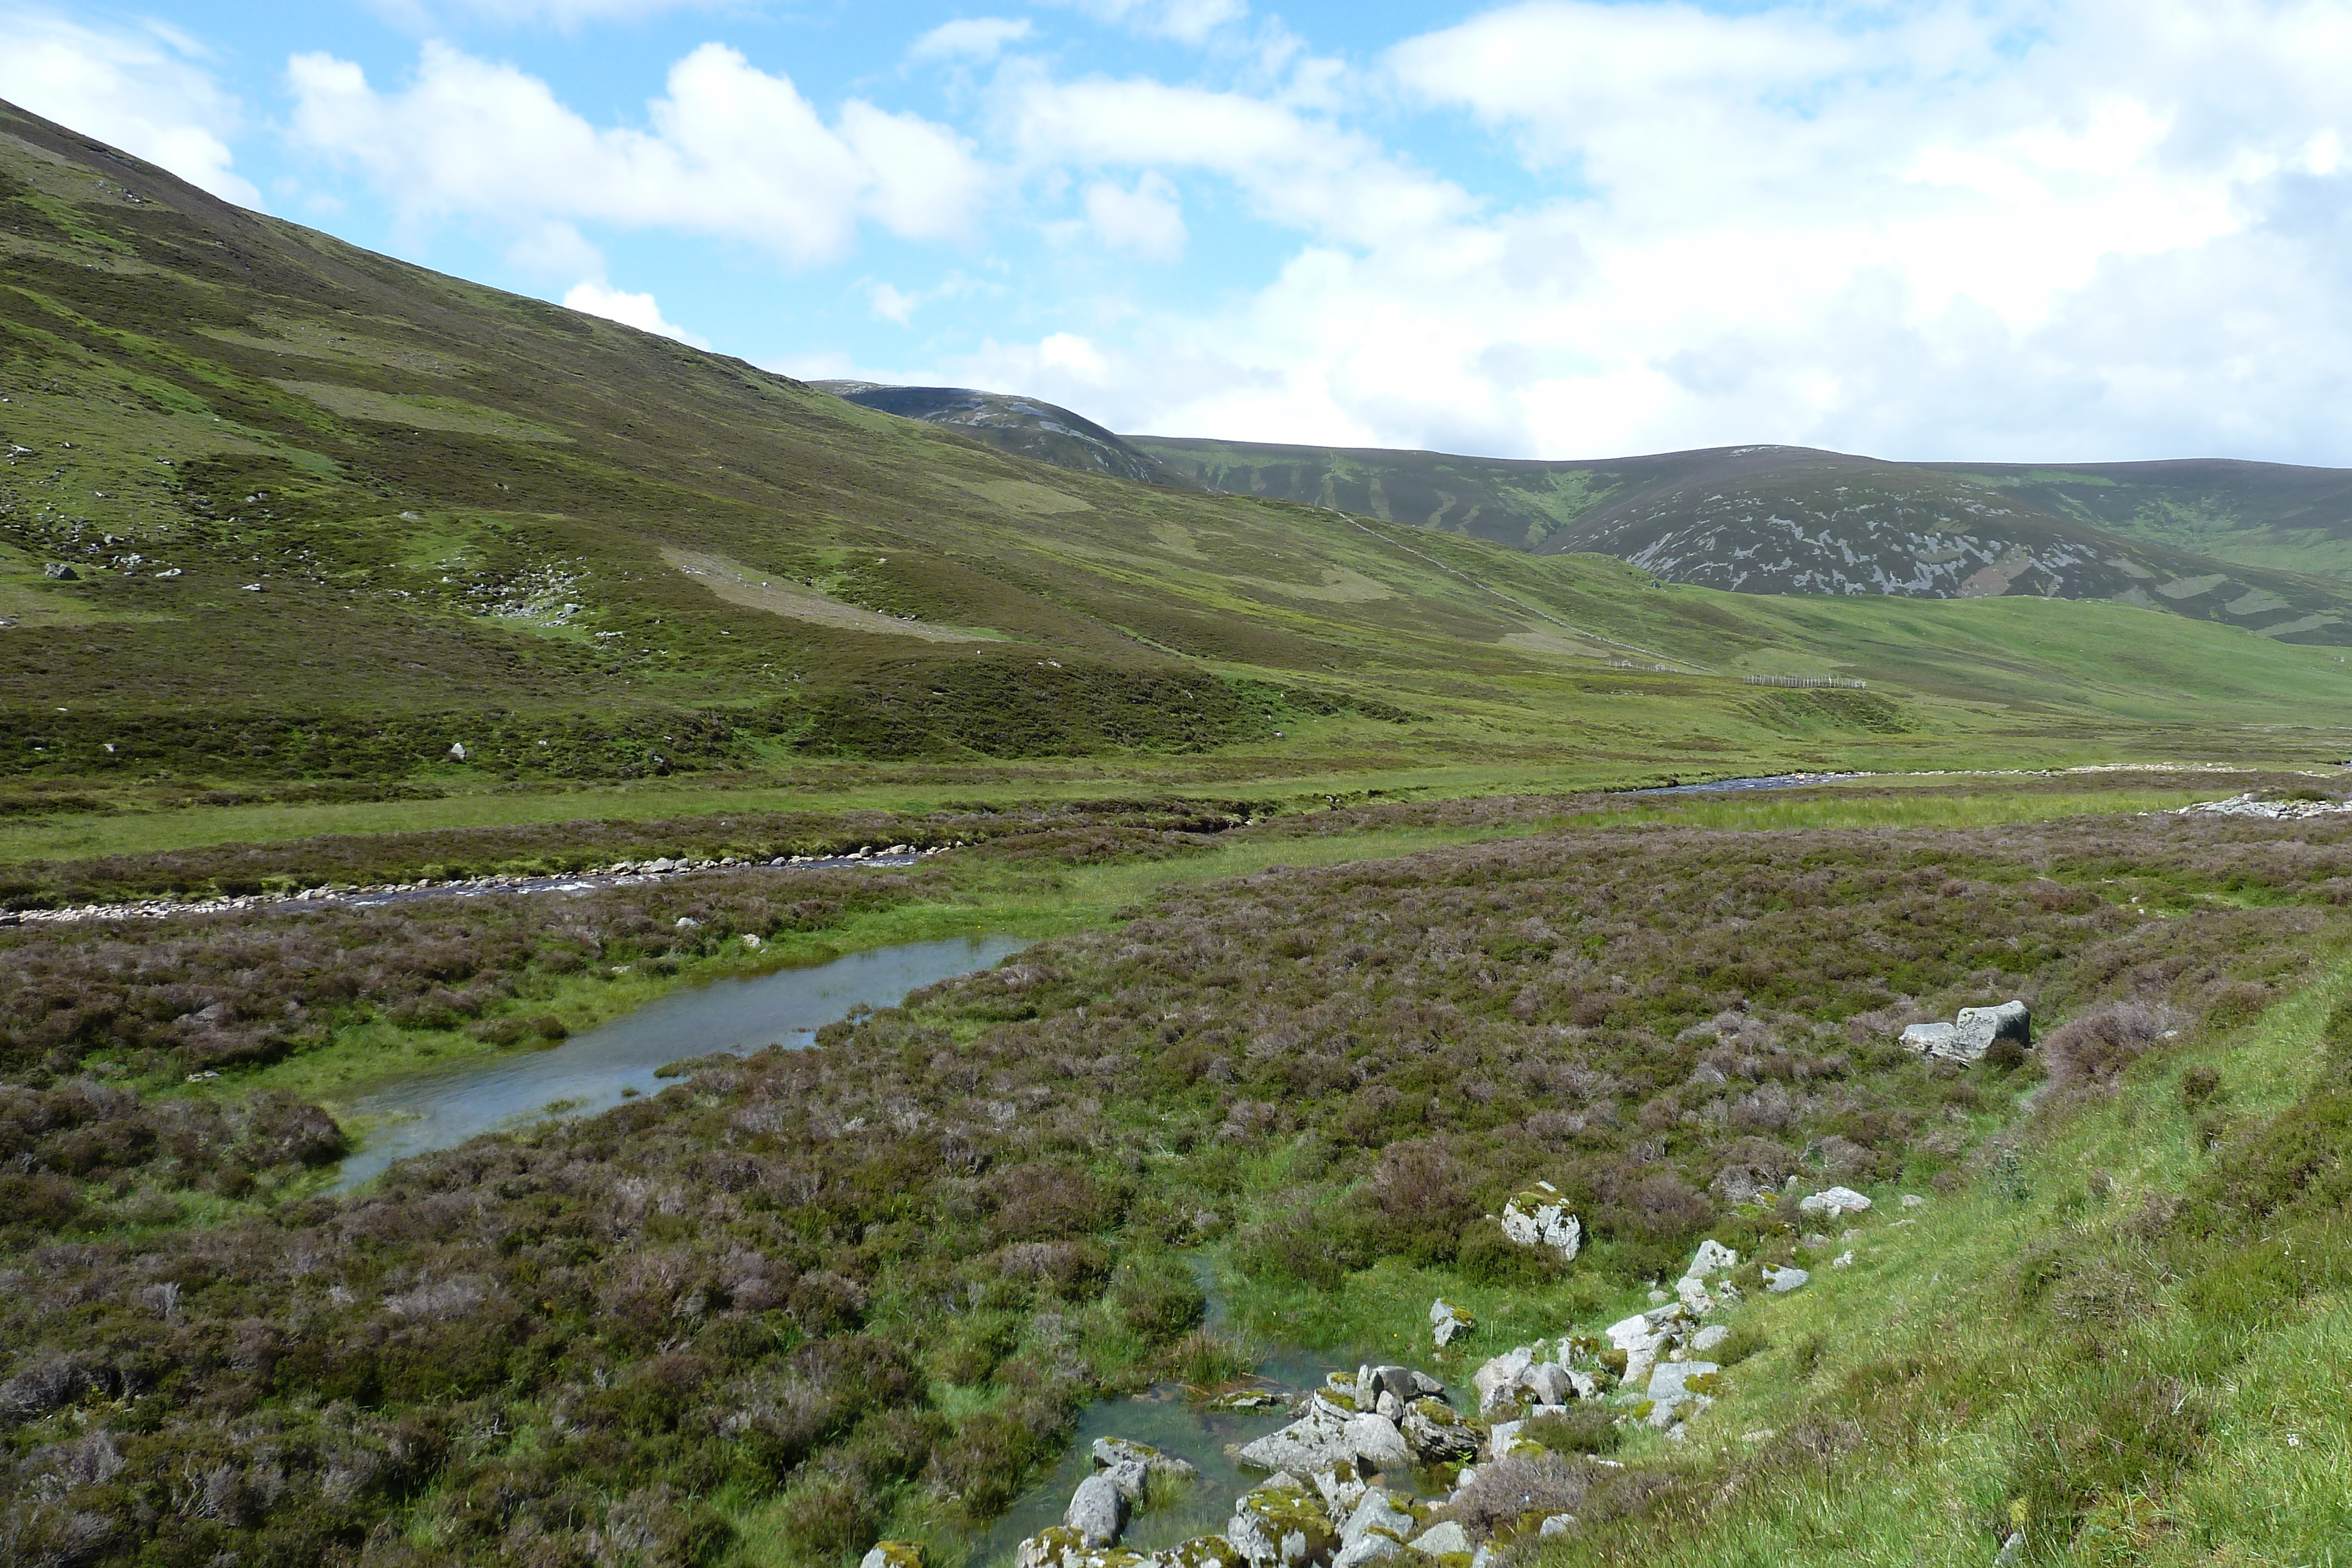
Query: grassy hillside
[
  {"x": 282, "y": 523},
  {"x": 1785, "y": 519}
]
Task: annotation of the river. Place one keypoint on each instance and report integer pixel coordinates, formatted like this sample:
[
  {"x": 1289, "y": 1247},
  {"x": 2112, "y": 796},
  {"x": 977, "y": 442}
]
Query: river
[{"x": 597, "y": 1070}]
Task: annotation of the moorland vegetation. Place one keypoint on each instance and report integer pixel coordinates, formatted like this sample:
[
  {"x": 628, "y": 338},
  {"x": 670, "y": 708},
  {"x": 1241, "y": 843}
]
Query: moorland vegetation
[{"x": 800, "y": 1300}]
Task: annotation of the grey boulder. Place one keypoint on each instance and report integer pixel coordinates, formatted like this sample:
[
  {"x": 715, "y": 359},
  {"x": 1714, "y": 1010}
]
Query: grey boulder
[{"x": 1097, "y": 1510}]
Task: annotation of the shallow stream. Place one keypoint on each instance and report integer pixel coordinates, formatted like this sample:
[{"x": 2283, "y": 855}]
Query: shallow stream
[{"x": 597, "y": 1070}]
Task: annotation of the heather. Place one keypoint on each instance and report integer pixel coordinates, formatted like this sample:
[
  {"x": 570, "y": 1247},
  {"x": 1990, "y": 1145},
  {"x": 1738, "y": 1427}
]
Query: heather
[{"x": 862, "y": 1288}]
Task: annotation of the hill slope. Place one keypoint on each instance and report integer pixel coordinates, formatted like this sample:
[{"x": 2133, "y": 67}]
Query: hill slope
[
  {"x": 1045, "y": 431},
  {"x": 274, "y": 507},
  {"x": 2270, "y": 514},
  {"x": 1782, "y": 519}
]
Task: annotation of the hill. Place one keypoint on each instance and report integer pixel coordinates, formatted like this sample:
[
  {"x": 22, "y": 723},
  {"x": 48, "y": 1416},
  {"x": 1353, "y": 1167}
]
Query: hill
[
  {"x": 1783, "y": 520},
  {"x": 1045, "y": 431},
  {"x": 2270, "y": 514},
  {"x": 276, "y": 509}
]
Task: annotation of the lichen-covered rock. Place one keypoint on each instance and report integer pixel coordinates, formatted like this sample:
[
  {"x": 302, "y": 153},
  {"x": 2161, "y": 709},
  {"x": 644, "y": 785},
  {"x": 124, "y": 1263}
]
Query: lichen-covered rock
[
  {"x": 1200, "y": 1552},
  {"x": 1281, "y": 1524},
  {"x": 1379, "y": 1512},
  {"x": 1539, "y": 1216},
  {"x": 1097, "y": 1509},
  {"x": 1437, "y": 1435},
  {"x": 1443, "y": 1540},
  {"x": 1370, "y": 1548},
  {"x": 895, "y": 1554},
  {"x": 1712, "y": 1257},
  {"x": 1318, "y": 1440},
  {"x": 1378, "y": 1443},
  {"x": 1448, "y": 1322},
  {"x": 1499, "y": 1378},
  {"x": 1112, "y": 1451}
]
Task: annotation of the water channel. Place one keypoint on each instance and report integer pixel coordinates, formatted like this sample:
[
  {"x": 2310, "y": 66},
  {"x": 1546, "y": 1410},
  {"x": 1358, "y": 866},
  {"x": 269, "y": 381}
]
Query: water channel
[{"x": 597, "y": 1070}]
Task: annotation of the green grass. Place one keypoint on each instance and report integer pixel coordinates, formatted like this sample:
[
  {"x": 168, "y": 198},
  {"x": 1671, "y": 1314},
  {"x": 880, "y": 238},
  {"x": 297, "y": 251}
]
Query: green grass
[{"x": 1952, "y": 1388}]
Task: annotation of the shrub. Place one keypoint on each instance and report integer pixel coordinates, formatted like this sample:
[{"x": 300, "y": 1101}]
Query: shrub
[
  {"x": 2097, "y": 1047},
  {"x": 1579, "y": 1429},
  {"x": 1157, "y": 1297},
  {"x": 1486, "y": 1257},
  {"x": 1510, "y": 1490}
]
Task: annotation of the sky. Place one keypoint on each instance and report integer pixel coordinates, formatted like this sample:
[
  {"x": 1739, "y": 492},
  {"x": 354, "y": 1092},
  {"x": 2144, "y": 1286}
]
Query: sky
[{"x": 2022, "y": 230}]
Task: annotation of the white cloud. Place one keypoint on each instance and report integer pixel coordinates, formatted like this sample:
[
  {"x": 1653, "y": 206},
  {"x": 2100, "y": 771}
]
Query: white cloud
[
  {"x": 639, "y": 310},
  {"x": 2036, "y": 228},
  {"x": 1147, "y": 222},
  {"x": 140, "y": 90},
  {"x": 971, "y": 39},
  {"x": 1299, "y": 169},
  {"x": 732, "y": 150},
  {"x": 1185, "y": 21}
]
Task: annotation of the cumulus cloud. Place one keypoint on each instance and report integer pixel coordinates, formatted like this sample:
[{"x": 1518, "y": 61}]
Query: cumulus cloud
[
  {"x": 595, "y": 298},
  {"x": 1146, "y": 222},
  {"x": 142, "y": 90},
  {"x": 971, "y": 39},
  {"x": 730, "y": 151},
  {"x": 2040, "y": 228}
]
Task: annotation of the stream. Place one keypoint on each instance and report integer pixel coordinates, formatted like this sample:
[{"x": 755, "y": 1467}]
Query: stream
[{"x": 597, "y": 1070}]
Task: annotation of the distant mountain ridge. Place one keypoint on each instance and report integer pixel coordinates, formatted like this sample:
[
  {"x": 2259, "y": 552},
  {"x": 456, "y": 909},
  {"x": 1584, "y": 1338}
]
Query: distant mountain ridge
[
  {"x": 1785, "y": 519},
  {"x": 1026, "y": 426}
]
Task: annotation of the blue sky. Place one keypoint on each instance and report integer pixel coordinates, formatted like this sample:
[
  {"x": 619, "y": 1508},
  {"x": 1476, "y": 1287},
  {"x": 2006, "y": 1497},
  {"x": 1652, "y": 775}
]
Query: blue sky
[{"x": 2027, "y": 229}]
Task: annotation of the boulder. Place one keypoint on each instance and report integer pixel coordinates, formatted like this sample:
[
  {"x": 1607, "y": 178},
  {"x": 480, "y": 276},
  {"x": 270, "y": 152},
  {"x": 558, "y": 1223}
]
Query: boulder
[
  {"x": 894, "y": 1555},
  {"x": 1499, "y": 1378},
  {"x": 1780, "y": 1281},
  {"x": 1711, "y": 1258},
  {"x": 1370, "y": 1548},
  {"x": 1377, "y": 1442},
  {"x": 1379, "y": 1513},
  {"x": 1281, "y": 1524},
  {"x": 1556, "y": 1524},
  {"x": 1109, "y": 1452},
  {"x": 1448, "y": 1322},
  {"x": 1443, "y": 1540},
  {"x": 59, "y": 571},
  {"x": 1436, "y": 1433},
  {"x": 1671, "y": 1381},
  {"x": 1539, "y": 1217},
  {"x": 1200, "y": 1552},
  {"x": 1972, "y": 1033},
  {"x": 1097, "y": 1509},
  {"x": 1835, "y": 1201},
  {"x": 1318, "y": 1440},
  {"x": 1550, "y": 1383},
  {"x": 1707, "y": 1338},
  {"x": 1929, "y": 1039}
]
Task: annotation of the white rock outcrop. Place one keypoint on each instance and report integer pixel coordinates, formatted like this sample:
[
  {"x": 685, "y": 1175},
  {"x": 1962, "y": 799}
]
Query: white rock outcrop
[{"x": 1539, "y": 1216}]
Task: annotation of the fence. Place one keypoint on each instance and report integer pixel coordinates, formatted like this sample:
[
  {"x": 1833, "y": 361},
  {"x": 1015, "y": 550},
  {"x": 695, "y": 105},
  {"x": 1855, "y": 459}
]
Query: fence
[{"x": 1837, "y": 682}]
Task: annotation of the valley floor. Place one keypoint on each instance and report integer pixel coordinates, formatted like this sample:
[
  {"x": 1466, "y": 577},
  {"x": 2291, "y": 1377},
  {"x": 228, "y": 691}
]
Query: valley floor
[{"x": 798, "y": 1302}]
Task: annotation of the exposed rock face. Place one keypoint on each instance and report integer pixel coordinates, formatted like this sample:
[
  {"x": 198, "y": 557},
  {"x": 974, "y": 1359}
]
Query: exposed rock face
[{"x": 1539, "y": 1217}]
